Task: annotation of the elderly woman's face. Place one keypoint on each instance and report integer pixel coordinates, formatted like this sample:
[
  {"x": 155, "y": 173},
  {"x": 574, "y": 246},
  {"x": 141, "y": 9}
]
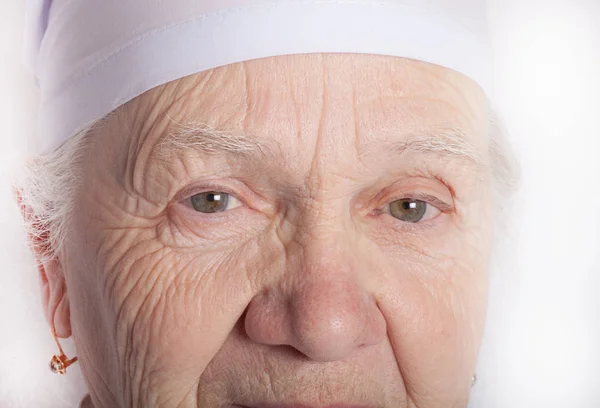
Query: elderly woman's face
[{"x": 292, "y": 231}]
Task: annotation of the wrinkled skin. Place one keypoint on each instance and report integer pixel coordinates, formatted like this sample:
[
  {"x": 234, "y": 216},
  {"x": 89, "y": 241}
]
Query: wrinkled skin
[{"x": 307, "y": 292}]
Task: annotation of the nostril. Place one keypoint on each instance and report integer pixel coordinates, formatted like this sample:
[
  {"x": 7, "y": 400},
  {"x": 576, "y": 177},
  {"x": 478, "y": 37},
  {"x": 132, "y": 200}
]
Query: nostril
[
  {"x": 265, "y": 321},
  {"x": 330, "y": 322}
]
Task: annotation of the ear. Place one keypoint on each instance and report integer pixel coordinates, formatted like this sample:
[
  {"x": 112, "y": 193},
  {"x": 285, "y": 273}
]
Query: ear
[{"x": 52, "y": 280}]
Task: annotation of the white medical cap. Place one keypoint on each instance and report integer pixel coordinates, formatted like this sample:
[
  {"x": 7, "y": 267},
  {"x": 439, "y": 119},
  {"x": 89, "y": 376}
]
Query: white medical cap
[{"x": 91, "y": 56}]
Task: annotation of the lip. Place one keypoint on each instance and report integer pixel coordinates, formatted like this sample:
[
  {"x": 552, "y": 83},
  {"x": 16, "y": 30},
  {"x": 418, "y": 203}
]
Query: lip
[{"x": 301, "y": 406}]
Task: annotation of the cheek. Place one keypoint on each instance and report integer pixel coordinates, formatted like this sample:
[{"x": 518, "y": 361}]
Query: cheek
[
  {"x": 434, "y": 303},
  {"x": 164, "y": 303}
]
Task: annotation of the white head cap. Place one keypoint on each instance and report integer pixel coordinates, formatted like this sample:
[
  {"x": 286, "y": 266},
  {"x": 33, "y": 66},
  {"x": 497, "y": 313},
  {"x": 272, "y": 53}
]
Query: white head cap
[{"x": 91, "y": 56}]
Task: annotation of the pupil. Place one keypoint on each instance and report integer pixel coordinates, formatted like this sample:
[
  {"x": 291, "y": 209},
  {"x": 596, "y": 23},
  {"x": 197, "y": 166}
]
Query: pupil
[
  {"x": 210, "y": 202},
  {"x": 408, "y": 210}
]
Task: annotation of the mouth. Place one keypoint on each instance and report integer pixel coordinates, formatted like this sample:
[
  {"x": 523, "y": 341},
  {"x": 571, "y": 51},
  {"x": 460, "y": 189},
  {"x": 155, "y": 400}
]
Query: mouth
[{"x": 300, "y": 406}]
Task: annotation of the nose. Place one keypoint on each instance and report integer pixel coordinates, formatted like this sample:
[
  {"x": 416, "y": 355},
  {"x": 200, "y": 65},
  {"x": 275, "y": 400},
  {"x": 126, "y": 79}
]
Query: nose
[{"x": 320, "y": 307}]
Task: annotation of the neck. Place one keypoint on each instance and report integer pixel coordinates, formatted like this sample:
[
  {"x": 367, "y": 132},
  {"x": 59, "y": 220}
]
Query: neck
[{"x": 86, "y": 402}]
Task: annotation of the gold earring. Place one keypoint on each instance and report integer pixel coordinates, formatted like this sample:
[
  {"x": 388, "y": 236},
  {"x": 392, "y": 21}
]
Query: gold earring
[{"x": 60, "y": 362}]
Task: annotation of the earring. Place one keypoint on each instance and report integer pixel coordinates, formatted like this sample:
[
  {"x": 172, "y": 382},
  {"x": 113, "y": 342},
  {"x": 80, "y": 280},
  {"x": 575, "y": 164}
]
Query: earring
[
  {"x": 473, "y": 380},
  {"x": 60, "y": 362}
]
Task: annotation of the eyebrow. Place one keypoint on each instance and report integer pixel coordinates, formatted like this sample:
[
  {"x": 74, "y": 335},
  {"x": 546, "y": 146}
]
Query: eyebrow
[
  {"x": 208, "y": 140},
  {"x": 450, "y": 141},
  {"x": 447, "y": 141}
]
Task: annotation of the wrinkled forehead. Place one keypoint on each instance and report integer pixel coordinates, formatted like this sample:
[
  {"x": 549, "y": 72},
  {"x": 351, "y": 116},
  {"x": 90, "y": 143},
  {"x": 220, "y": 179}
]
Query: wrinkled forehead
[{"x": 380, "y": 99}]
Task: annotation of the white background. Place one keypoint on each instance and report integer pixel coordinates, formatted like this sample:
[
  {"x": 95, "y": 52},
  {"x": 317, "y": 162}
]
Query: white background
[{"x": 542, "y": 345}]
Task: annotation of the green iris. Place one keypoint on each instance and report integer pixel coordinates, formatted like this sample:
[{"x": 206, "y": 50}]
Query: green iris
[
  {"x": 210, "y": 202},
  {"x": 408, "y": 210}
]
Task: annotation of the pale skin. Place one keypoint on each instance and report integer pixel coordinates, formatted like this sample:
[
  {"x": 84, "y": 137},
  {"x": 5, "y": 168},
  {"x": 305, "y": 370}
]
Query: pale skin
[{"x": 306, "y": 288}]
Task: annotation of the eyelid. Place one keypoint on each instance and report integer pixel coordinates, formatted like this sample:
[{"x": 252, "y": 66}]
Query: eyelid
[
  {"x": 425, "y": 189},
  {"x": 428, "y": 198},
  {"x": 191, "y": 191}
]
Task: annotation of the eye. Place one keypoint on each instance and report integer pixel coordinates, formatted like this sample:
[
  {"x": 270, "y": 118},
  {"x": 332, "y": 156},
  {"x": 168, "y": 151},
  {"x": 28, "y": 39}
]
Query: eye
[
  {"x": 411, "y": 210},
  {"x": 212, "y": 202}
]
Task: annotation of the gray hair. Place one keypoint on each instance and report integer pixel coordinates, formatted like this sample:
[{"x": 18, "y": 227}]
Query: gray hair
[{"x": 47, "y": 184}]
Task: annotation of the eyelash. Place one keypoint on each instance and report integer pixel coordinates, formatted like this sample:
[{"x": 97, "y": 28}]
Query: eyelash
[
  {"x": 427, "y": 198},
  {"x": 384, "y": 210},
  {"x": 442, "y": 206},
  {"x": 188, "y": 193}
]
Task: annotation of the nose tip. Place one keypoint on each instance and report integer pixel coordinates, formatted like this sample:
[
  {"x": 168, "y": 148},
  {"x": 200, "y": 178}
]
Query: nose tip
[
  {"x": 330, "y": 321},
  {"x": 325, "y": 321},
  {"x": 337, "y": 345}
]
